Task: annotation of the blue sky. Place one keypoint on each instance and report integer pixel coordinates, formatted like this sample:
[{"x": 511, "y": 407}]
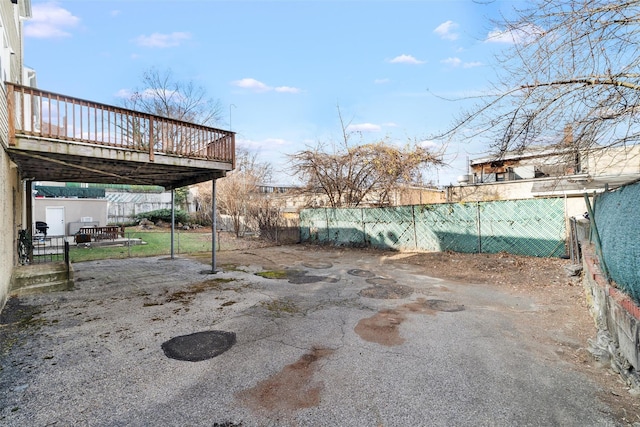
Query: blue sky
[{"x": 280, "y": 69}]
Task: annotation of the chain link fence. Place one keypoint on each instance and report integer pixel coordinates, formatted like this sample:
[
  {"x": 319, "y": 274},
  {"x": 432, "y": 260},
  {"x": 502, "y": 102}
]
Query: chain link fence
[{"x": 533, "y": 227}]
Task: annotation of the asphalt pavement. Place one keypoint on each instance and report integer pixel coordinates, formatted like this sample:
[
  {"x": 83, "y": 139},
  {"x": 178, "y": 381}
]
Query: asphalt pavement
[{"x": 328, "y": 338}]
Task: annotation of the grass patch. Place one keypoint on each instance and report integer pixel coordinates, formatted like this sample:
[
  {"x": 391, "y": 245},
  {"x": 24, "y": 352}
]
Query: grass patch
[
  {"x": 280, "y": 307},
  {"x": 157, "y": 243},
  {"x": 185, "y": 296},
  {"x": 274, "y": 274}
]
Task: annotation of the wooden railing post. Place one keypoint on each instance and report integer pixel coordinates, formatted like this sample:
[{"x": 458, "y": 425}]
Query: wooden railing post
[
  {"x": 11, "y": 114},
  {"x": 151, "y": 158},
  {"x": 233, "y": 150}
]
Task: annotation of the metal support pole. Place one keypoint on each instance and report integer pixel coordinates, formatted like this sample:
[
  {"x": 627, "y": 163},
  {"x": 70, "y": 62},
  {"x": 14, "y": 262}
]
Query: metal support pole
[
  {"x": 29, "y": 214},
  {"x": 213, "y": 225},
  {"x": 173, "y": 219},
  {"x": 479, "y": 227}
]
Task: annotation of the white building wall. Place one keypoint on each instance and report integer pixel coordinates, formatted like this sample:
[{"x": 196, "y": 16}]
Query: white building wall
[
  {"x": 11, "y": 187},
  {"x": 74, "y": 210}
]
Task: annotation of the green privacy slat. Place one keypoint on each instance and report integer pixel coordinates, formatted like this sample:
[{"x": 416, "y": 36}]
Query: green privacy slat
[
  {"x": 616, "y": 217},
  {"x": 453, "y": 225},
  {"x": 390, "y": 228},
  {"x": 534, "y": 227}
]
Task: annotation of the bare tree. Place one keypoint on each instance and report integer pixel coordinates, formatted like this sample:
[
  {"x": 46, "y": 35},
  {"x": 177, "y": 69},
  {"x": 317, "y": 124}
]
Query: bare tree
[
  {"x": 162, "y": 94},
  {"x": 350, "y": 174},
  {"x": 266, "y": 213},
  {"x": 238, "y": 192},
  {"x": 573, "y": 64}
]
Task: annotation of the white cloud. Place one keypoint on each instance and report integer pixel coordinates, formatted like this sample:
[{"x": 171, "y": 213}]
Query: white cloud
[
  {"x": 381, "y": 81},
  {"x": 162, "y": 40},
  {"x": 364, "y": 127},
  {"x": 115, "y": 12},
  {"x": 429, "y": 144},
  {"x": 446, "y": 30},
  {"x": 514, "y": 35},
  {"x": 124, "y": 93},
  {"x": 50, "y": 21},
  {"x": 406, "y": 59},
  {"x": 251, "y": 84},
  {"x": 452, "y": 61},
  {"x": 257, "y": 86},
  {"x": 258, "y": 146},
  {"x": 456, "y": 62},
  {"x": 287, "y": 89}
]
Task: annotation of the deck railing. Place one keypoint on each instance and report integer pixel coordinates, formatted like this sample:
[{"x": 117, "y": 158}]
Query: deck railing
[{"x": 38, "y": 113}]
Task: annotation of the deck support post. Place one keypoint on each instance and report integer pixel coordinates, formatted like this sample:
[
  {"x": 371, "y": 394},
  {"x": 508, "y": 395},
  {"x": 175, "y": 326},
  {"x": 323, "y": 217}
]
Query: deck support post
[{"x": 213, "y": 225}]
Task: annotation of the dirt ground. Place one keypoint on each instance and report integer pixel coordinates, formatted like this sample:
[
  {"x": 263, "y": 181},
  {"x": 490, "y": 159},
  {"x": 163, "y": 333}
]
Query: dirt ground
[{"x": 544, "y": 279}]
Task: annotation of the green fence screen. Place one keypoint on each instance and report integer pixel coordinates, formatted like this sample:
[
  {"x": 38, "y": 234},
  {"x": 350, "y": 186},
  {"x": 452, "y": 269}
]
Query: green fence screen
[
  {"x": 534, "y": 227},
  {"x": 616, "y": 217}
]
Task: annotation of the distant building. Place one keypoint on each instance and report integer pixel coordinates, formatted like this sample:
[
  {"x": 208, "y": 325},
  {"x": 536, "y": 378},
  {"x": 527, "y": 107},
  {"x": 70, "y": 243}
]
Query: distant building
[{"x": 548, "y": 172}]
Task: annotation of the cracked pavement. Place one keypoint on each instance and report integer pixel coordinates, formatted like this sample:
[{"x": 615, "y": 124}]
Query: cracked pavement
[{"x": 355, "y": 342}]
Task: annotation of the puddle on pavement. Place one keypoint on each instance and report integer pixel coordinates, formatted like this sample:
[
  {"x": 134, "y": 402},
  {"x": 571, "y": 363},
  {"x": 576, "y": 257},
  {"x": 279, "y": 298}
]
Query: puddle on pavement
[
  {"x": 290, "y": 389},
  {"x": 199, "y": 346},
  {"x": 384, "y": 327}
]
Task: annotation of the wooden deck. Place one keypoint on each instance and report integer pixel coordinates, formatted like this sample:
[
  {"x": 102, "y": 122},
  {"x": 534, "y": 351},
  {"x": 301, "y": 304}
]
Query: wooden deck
[{"x": 53, "y": 137}]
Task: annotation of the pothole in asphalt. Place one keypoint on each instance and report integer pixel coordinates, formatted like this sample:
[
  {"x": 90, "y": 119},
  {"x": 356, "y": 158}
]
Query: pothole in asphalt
[
  {"x": 390, "y": 291},
  {"x": 361, "y": 273},
  {"x": 317, "y": 264},
  {"x": 303, "y": 279},
  {"x": 296, "y": 277},
  {"x": 380, "y": 281},
  {"x": 442, "y": 305},
  {"x": 199, "y": 346}
]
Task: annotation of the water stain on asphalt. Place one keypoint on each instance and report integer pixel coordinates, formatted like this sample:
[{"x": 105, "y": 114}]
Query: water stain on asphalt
[
  {"x": 290, "y": 389},
  {"x": 384, "y": 327}
]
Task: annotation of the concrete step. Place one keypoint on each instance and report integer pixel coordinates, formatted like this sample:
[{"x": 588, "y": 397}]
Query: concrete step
[{"x": 38, "y": 278}]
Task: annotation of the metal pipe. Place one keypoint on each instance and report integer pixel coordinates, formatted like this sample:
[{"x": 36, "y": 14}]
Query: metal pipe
[
  {"x": 213, "y": 225},
  {"x": 596, "y": 236},
  {"x": 173, "y": 220}
]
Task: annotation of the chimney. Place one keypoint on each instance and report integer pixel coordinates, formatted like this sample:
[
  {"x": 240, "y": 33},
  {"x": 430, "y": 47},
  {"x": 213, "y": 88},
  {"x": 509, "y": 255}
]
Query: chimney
[{"x": 567, "y": 139}]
